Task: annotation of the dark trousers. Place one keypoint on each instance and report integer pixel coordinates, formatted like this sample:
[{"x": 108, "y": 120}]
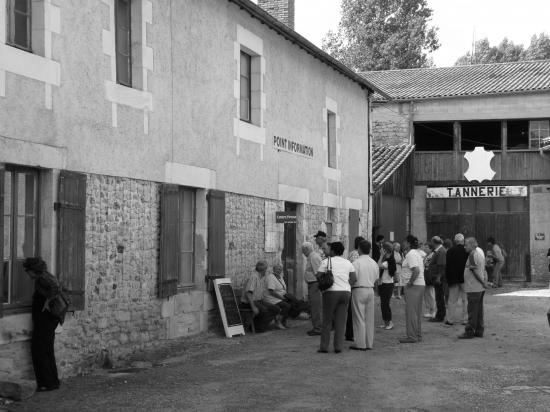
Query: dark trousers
[
  {"x": 42, "y": 347},
  {"x": 335, "y": 311},
  {"x": 385, "y": 290},
  {"x": 284, "y": 308},
  {"x": 475, "y": 326},
  {"x": 440, "y": 301},
  {"x": 267, "y": 313}
]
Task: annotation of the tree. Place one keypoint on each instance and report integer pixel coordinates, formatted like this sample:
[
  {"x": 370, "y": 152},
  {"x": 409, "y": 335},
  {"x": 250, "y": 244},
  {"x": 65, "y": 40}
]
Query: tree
[
  {"x": 539, "y": 48},
  {"x": 507, "y": 51},
  {"x": 383, "y": 34}
]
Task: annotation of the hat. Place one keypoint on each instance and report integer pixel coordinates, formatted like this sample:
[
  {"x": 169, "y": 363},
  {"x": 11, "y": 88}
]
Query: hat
[{"x": 320, "y": 234}]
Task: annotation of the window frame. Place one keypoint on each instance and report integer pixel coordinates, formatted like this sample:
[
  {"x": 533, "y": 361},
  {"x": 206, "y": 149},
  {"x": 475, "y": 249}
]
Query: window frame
[
  {"x": 10, "y": 25},
  {"x": 248, "y": 57},
  {"x": 332, "y": 155},
  {"x": 8, "y": 307},
  {"x": 530, "y": 139},
  {"x": 181, "y": 222},
  {"x": 119, "y": 56}
]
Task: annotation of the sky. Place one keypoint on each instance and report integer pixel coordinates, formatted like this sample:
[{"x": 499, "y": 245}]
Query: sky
[{"x": 456, "y": 19}]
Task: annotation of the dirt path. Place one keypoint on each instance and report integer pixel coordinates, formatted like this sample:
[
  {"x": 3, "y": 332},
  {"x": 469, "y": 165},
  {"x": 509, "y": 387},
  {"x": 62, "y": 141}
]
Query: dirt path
[{"x": 508, "y": 370}]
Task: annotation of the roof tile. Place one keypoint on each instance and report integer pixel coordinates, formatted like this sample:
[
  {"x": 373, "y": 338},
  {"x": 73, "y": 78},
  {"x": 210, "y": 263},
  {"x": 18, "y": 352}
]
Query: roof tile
[{"x": 386, "y": 160}]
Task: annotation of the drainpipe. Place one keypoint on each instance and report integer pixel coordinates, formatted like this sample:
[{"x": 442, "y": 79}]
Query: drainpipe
[
  {"x": 369, "y": 145},
  {"x": 411, "y": 120}
]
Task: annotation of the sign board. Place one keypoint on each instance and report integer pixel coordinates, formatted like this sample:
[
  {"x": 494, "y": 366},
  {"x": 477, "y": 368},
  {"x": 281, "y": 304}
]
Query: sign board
[
  {"x": 229, "y": 309},
  {"x": 451, "y": 192},
  {"x": 540, "y": 236},
  {"x": 290, "y": 146},
  {"x": 285, "y": 217}
]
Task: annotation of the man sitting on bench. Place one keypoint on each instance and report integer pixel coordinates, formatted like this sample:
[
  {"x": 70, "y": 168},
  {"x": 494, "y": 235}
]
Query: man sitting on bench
[{"x": 253, "y": 291}]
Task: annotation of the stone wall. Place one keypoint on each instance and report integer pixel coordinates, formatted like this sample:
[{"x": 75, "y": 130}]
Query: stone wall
[{"x": 390, "y": 125}]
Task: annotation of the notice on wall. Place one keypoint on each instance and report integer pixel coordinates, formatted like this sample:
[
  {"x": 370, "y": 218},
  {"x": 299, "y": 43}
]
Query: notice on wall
[
  {"x": 290, "y": 146},
  {"x": 540, "y": 236},
  {"x": 453, "y": 192},
  {"x": 229, "y": 309},
  {"x": 286, "y": 217}
]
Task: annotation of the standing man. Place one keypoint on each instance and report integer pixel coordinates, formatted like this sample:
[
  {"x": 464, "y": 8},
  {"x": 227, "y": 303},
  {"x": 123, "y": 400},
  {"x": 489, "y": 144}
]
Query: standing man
[
  {"x": 314, "y": 294},
  {"x": 320, "y": 241},
  {"x": 362, "y": 297},
  {"x": 454, "y": 274},
  {"x": 377, "y": 248},
  {"x": 436, "y": 270},
  {"x": 498, "y": 261},
  {"x": 475, "y": 283}
]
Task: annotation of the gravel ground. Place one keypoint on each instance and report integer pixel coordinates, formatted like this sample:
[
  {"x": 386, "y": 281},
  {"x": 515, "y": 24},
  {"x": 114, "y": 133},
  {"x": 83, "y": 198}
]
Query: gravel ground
[{"x": 507, "y": 370}]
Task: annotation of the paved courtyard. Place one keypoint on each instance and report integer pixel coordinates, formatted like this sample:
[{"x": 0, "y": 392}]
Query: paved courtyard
[{"x": 508, "y": 370}]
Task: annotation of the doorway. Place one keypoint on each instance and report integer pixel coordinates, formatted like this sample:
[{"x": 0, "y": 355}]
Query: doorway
[{"x": 289, "y": 251}]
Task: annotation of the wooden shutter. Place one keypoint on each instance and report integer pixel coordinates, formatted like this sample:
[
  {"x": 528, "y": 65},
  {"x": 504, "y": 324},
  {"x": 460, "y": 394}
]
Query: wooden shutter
[
  {"x": 353, "y": 228},
  {"x": 71, "y": 231},
  {"x": 2, "y": 265},
  {"x": 169, "y": 241},
  {"x": 216, "y": 233}
]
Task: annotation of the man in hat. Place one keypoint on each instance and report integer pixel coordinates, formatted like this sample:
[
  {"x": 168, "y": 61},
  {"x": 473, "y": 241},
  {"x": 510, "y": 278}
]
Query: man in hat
[{"x": 436, "y": 269}]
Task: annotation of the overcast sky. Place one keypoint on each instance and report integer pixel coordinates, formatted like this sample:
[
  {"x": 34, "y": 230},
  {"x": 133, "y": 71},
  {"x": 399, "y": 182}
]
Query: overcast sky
[{"x": 456, "y": 19}]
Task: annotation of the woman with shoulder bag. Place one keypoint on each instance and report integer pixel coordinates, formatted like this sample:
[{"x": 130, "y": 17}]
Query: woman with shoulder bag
[
  {"x": 46, "y": 290},
  {"x": 336, "y": 297},
  {"x": 388, "y": 267}
]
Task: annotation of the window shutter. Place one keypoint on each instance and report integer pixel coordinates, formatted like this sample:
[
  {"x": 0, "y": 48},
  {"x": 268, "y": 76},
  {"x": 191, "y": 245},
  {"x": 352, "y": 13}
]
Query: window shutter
[
  {"x": 216, "y": 233},
  {"x": 71, "y": 231},
  {"x": 2, "y": 265},
  {"x": 169, "y": 241}
]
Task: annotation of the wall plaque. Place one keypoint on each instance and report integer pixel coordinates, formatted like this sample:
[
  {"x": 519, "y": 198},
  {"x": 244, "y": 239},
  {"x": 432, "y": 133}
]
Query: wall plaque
[{"x": 450, "y": 192}]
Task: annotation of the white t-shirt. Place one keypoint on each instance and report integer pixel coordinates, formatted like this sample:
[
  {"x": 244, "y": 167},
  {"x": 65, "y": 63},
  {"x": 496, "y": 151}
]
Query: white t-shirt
[
  {"x": 412, "y": 259},
  {"x": 277, "y": 285},
  {"x": 341, "y": 268}
]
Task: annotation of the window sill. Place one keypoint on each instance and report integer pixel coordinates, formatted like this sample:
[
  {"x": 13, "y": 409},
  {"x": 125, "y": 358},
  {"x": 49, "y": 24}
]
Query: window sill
[
  {"x": 16, "y": 310},
  {"x": 27, "y": 64},
  {"x": 127, "y": 96},
  {"x": 26, "y": 49},
  {"x": 248, "y": 131}
]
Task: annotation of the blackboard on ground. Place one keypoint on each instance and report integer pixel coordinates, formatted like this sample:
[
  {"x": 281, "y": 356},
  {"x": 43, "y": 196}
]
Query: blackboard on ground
[{"x": 229, "y": 308}]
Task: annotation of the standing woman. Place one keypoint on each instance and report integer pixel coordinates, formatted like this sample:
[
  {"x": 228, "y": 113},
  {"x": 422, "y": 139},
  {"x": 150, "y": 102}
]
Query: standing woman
[
  {"x": 336, "y": 298},
  {"x": 385, "y": 287},
  {"x": 412, "y": 274},
  {"x": 46, "y": 287},
  {"x": 397, "y": 277}
]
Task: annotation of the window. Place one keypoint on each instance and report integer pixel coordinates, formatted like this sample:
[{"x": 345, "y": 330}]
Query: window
[
  {"x": 246, "y": 87},
  {"x": 518, "y": 134},
  {"x": 486, "y": 134},
  {"x": 123, "y": 42},
  {"x": 331, "y": 137},
  {"x": 20, "y": 237},
  {"x": 187, "y": 237},
  {"x": 538, "y": 130},
  {"x": 19, "y": 23},
  {"x": 434, "y": 136}
]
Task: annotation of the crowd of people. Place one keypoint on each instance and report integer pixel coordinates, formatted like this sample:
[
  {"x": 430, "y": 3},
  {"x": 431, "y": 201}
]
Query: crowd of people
[{"x": 433, "y": 278}]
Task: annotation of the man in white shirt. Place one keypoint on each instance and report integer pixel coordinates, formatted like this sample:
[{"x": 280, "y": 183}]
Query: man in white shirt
[
  {"x": 314, "y": 295},
  {"x": 362, "y": 297}
]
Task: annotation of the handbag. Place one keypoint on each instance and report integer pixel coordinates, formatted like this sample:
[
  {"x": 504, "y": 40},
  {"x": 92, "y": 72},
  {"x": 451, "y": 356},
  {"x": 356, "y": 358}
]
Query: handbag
[
  {"x": 59, "y": 305},
  {"x": 326, "y": 280}
]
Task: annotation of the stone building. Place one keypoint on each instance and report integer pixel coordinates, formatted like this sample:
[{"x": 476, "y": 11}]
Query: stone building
[
  {"x": 447, "y": 112},
  {"x": 145, "y": 145}
]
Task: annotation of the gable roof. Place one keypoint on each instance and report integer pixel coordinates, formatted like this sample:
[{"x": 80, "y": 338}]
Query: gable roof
[
  {"x": 386, "y": 160},
  {"x": 278, "y": 27},
  {"x": 458, "y": 81}
]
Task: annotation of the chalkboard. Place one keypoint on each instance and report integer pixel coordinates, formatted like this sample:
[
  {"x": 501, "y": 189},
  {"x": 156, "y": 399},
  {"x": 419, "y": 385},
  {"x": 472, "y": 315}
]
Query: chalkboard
[{"x": 229, "y": 309}]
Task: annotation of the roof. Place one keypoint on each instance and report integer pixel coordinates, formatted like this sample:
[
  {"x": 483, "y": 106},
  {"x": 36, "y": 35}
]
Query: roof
[
  {"x": 459, "y": 81},
  {"x": 386, "y": 160},
  {"x": 280, "y": 28}
]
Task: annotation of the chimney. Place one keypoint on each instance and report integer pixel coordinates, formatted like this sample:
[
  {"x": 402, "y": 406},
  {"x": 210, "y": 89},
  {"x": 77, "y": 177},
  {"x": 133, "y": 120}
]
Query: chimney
[{"x": 282, "y": 10}]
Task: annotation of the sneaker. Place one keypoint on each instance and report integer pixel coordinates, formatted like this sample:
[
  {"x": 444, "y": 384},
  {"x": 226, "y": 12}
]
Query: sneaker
[
  {"x": 382, "y": 326},
  {"x": 466, "y": 336},
  {"x": 390, "y": 326},
  {"x": 447, "y": 323},
  {"x": 407, "y": 340},
  {"x": 313, "y": 332},
  {"x": 279, "y": 325},
  {"x": 428, "y": 315}
]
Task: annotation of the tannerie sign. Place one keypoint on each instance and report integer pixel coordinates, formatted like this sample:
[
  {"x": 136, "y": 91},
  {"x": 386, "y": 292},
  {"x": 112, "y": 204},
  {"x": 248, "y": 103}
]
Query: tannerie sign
[
  {"x": 290, "y": 146},
  {"x": 477, "y": 191}
]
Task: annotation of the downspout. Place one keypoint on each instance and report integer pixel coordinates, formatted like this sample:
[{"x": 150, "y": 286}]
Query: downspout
[
  {"x": 369, "y": 157},
  {"x": 411, "y": 122}
]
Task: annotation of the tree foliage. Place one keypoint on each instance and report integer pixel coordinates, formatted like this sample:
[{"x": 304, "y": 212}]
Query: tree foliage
[
  {"x": 507, "y": 51},
  {"x": 383, "y": 34}
]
